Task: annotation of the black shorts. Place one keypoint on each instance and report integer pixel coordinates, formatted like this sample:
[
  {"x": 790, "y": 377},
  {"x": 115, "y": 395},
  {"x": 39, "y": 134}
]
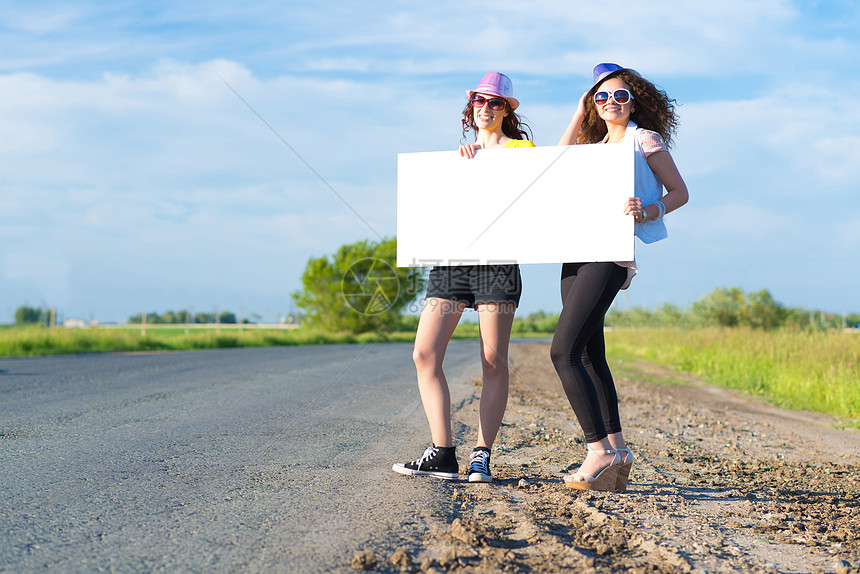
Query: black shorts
[{"x": 476, "y": 284}]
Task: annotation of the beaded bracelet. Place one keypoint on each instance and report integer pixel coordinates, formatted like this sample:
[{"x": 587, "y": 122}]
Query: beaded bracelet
[{"x": 662, "y": 208}]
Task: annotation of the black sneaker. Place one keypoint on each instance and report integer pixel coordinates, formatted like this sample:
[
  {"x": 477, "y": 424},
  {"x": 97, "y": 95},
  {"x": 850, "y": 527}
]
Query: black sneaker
[
  {"x": 440, "y": 462},
  {"x": 479, "y": 466}
]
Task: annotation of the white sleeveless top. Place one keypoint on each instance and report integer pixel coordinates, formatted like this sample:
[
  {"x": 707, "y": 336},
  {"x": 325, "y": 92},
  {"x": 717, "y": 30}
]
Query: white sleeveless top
[{"x": 648, "y": 188}]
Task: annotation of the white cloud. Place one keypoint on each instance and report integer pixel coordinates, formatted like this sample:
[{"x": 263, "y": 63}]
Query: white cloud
[
  {"x": 172, "y": 169},
  {"x": 40, "y": 20},
  {"x": 785, "y": 143},
  {"x": 120, "y": 135},
  {"x": 836, "y": 160}
]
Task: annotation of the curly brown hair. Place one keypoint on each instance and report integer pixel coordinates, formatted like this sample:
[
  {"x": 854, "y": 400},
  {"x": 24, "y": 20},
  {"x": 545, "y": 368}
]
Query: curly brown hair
[
  {"x": 652, "y": 110},
  {"x": 513, "y": 125}
]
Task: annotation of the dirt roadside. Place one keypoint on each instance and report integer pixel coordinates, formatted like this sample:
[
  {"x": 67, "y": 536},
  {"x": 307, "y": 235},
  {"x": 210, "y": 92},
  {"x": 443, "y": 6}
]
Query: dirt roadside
[{"x": 721, "y": 483}]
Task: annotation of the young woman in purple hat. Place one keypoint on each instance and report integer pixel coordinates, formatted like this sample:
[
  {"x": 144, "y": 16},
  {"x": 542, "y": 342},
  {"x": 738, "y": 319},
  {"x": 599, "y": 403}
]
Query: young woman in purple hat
[
  {"x": 494, "y": 290},
  {"x": 620, "y": 106}
]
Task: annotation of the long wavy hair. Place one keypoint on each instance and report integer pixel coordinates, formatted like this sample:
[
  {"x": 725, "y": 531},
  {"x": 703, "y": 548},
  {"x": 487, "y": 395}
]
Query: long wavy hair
[
  {"x": 513, "y": 125},
  {"x": 652, "y": 110}
]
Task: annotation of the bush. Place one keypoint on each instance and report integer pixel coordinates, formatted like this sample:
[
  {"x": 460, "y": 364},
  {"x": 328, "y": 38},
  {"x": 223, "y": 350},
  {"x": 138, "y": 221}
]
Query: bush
[
  {"x": 31, "y": 316},
  {"x": 358, "y": 289}
]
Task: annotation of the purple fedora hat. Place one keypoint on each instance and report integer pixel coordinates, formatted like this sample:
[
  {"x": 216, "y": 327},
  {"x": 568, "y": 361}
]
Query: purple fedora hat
[
  {"x": 605, "y": 71},
  {"x": 496, "y": 84}
]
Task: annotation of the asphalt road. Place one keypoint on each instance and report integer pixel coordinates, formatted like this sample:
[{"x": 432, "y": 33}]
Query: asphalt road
[{"x": 246, "y": 460}]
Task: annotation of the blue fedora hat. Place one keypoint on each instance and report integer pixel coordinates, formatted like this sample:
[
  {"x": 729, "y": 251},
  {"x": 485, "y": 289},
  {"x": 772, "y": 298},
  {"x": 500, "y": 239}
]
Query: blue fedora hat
[{"x": 606, "y": 70}]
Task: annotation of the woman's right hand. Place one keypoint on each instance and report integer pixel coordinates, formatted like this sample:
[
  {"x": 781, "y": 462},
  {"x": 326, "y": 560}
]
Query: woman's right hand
[
  {"x": 570, "y": 134},
  {"x": 633, "y": 206},
  {"x": 580, "y": 107},
  {"x": 468, "y": 150}
]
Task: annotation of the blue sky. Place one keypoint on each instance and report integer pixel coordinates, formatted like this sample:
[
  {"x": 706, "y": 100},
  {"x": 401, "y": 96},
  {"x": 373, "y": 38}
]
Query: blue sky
[{"x": 133, "y": 179}]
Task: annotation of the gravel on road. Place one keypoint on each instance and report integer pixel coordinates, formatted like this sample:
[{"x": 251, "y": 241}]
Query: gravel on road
[{"x": 722, "y": 483}]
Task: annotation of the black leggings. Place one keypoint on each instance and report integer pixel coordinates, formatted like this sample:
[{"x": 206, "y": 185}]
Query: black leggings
[{"x": 578, "y": 350}]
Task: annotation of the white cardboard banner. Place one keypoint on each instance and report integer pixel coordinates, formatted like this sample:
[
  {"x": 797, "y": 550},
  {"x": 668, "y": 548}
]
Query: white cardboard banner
[{"x": 549, "y": 204}]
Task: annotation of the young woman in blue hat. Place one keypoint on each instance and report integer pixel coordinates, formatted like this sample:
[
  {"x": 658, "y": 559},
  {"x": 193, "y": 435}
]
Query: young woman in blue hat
[
  {"x": 494, "y": 290},
  {"x": 620, "y": 106}
]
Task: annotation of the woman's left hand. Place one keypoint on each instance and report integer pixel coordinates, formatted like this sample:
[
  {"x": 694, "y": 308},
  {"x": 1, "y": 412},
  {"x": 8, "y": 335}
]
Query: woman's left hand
[
  {"x": 634, "y": 207},
  {"x": 468, "y": 150}
]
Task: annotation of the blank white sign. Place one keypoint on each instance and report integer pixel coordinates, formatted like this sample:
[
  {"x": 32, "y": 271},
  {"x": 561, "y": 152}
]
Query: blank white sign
[{"x": 550, "y": 204}]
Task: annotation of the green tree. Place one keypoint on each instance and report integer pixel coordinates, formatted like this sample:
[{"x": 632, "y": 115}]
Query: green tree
[
  {"x": 668, "y": 315},
  {"x": 30, "y": 316},
  {"x": 358, "y": 289},
  {"x": 227, "y": 318},
  {"x": 641, "y": 317},
  {"x": 151, "y": 318},
  {"x": 732, "y": 307},
  {"x": 763, "y": 312},
  {"x": 538, "y": 322},
  {"x": 615, "y": 318},
  {"x": 723, "y": 306},
  {"x": 174, "y": 317}
]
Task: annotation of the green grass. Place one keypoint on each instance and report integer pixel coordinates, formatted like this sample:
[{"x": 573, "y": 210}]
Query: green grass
[
  {"x": 40, "y": 341},
  {"x": 817, "y": 371}
]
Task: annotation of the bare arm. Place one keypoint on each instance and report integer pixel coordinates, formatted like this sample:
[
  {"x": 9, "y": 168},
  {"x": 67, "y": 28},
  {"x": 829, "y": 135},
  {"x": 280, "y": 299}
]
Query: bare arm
[
  {"x": 572, "y": 131},
  {"x": 663, "y": 166}
]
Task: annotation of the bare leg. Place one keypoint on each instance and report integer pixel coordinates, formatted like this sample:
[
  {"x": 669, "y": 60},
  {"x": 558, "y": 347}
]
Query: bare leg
[
  {"x": 617, "y": 440},
  {"x": 596, "y": 461},
  {"x": 494, "y": 321},
  {"x": 438, "y": 320}
]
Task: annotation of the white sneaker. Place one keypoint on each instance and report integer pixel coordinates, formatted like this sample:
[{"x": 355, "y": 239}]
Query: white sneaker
[
  {"x": 479, "y": 466},
  {"x": 436, "y": 461}
]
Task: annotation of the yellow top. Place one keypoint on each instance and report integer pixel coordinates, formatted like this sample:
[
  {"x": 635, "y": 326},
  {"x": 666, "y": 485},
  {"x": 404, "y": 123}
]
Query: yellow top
[{"x": 519, "y": 143}]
